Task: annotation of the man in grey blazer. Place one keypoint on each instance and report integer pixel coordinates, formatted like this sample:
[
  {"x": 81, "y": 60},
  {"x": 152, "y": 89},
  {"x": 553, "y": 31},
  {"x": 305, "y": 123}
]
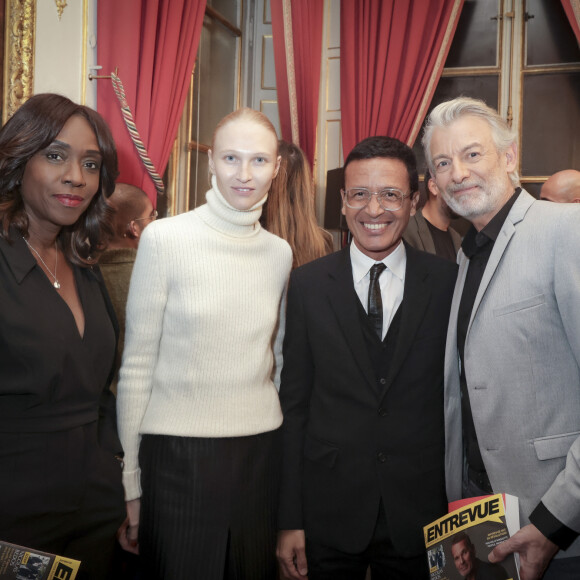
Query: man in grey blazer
[{"x": 512, "y": 369}]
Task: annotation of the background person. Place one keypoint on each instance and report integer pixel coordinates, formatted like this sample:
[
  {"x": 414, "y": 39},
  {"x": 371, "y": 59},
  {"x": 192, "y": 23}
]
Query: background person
[
  {"x": 562, "y": 187},
  {"x": 429, "y": 229},
  {"x": 133, "y": 212},
  {"x": 289, "y": 210},
  {"x": 198, "y": 409},
  {"x": 60, "y": 482}
]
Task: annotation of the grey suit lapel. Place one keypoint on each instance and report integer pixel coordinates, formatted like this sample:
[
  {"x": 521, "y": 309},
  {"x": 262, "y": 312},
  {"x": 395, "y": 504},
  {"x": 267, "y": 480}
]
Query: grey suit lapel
[
  {"x": 343, "y": 300},
  {"x": 516, "y": 215}
]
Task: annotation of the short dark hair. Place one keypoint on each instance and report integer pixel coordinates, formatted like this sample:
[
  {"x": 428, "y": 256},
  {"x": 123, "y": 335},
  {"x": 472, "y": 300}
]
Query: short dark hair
[
  {"x": 388, "y": 148},
  {"x": 32, "y": 128},
  {"x": 462, "y": 537}
]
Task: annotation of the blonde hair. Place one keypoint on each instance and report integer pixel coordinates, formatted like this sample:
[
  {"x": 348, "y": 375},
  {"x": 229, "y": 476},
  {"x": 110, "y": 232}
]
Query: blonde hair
[
  {"x": 449, "y": 111},
  {"x": 247, "y": 114},
  {"x": 289, "y": 210}
]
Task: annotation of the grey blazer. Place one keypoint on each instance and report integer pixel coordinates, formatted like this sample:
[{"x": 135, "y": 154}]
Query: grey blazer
[
  {"x": 522, "y": 357},
  {"x": 417, "y": 234}
]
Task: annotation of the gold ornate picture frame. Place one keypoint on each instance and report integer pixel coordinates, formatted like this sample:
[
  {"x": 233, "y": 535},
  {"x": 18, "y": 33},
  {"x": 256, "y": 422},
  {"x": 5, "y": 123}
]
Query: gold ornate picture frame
[{"x": 19, "y": 27}]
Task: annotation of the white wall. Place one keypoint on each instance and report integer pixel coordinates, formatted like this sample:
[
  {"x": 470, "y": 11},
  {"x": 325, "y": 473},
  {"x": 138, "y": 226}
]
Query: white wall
[{"x": 64, "y": 49}]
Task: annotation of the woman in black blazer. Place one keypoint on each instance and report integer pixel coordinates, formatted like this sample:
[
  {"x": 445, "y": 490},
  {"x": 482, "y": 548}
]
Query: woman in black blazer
[{"x": 60, "y": 482}]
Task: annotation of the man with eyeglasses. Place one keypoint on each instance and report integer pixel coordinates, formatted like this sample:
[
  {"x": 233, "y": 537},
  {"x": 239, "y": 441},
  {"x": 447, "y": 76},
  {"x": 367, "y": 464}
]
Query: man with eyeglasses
[
  {"x": 133, "y": 212},
  {"x": 362, "y": 387}
]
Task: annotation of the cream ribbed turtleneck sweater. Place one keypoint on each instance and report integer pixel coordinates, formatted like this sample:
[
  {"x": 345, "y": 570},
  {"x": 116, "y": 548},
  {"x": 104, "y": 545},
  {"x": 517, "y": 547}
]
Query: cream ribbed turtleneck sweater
[{"x": 203, "y": 315}]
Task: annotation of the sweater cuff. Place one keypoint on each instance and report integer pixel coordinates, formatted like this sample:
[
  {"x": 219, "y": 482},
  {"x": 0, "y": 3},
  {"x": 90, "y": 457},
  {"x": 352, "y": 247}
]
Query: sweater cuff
[
  {"x": 132, "y": 484},
  {"x": 552, "y": 527}
]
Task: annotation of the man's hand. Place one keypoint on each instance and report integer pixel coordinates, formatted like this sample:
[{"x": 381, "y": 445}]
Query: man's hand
[
  {"x": 129, "y": 531},
  {"x": 534, "y": 548},
  {"x": 291, "y": 553}
]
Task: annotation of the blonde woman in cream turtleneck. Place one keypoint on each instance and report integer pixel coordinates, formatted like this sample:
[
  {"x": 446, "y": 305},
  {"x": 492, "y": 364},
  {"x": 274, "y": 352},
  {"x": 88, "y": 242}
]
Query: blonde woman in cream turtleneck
[{"x": 198, "y": 406}]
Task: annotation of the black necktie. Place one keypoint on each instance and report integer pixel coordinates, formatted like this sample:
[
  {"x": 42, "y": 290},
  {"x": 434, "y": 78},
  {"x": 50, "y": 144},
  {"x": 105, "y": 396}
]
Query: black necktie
[{"x": 375, "y": 302}]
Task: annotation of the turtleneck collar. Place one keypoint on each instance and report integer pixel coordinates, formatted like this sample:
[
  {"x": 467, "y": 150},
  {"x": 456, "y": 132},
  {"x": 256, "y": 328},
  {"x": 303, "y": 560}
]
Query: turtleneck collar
[{"x": 223, "y": 217}]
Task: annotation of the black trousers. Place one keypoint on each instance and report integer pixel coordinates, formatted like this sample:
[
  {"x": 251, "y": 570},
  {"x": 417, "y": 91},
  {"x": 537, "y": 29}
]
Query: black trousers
[
  {"x": 326, "y": 563},
  {"x": 60, "y": 492},
  {"x": 208, "y": 508}
]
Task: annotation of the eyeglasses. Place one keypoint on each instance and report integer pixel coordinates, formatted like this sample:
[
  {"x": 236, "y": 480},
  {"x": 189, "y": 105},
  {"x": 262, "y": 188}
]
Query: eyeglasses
[
  {"x": 153, "y": 216},
  {"x": 390, "y": 198}
]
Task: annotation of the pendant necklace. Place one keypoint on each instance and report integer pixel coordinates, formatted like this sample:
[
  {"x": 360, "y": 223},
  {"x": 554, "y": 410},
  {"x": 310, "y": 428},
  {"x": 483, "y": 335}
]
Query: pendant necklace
[{"x": 56, "y": 283}]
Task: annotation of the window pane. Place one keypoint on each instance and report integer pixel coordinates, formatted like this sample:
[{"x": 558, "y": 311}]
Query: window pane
[
  {"x": 550, "y": 38},
  {"x": 227, "y": 8},
  {"x": 551, "y": 117},
  {"x": 476, "y": 37},
  {"x": 215, "y": 74},
  {"x": 199, "y": 178},
  {"x": 480, "y": 87}
]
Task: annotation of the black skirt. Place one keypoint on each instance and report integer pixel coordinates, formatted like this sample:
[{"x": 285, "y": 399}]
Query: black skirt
[{"x": 209, "y": 507}]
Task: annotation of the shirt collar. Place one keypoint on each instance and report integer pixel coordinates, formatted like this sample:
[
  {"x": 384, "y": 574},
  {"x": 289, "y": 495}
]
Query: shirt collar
[
  {"x": 17, "y": 255},
  {"x": 475, "y": 240},
  {"x": 361, "y": 263}
]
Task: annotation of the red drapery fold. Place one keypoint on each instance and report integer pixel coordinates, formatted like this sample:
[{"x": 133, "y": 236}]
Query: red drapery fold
[
  {"x": 297, "y": 37},
  {"x": 153, "y": 44},
  {"x": 392, "y": 53},
  {"x": 572, "y": 9}
]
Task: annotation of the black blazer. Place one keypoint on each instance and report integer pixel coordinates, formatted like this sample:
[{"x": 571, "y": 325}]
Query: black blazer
[{"x": 350, "y": 439}]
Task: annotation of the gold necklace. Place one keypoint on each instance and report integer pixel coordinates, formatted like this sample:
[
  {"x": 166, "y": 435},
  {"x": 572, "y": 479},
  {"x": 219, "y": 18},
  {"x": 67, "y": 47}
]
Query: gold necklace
[{"x": 56, "y": 283}]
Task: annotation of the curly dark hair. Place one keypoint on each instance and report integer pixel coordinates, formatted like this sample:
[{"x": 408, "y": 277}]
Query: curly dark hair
[{"x": 33, "y": 127}]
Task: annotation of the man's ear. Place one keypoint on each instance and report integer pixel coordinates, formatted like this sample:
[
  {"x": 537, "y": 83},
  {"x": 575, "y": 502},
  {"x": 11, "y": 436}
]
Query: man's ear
[
  {"x": 343, "y": 208},
  {"x": 511, "y": 154},
  {"x": 133, "y": 232},
  {"x": 414, "y": 202},
  {"x": 432, "y": 187}
]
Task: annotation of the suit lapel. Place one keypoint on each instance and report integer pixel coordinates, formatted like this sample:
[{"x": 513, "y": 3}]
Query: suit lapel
[
  {"x": 343, "y": 300},
  {"x": 424, "y": 233},
  {"x": 508, "y": 229},
  {"x": 416, "y": 297}
]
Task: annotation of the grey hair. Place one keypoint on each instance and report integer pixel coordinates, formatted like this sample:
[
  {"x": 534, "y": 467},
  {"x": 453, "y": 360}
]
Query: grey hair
[{"x": 449, "y": 111}]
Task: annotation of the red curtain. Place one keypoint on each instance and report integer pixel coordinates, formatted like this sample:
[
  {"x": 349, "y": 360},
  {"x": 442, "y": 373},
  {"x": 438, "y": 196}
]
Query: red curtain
[
  {"x": 392, "y": 53},
  {"x": 297, "y": 37},
  {"x": 153, "y": 44},
  {"x": 572, "y": 8}
]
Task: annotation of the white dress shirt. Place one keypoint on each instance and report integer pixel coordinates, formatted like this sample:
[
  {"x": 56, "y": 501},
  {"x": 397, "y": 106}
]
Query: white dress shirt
[{"x": 391, "y": 281}]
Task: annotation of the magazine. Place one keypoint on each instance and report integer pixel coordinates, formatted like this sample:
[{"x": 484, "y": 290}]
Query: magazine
[
  {"x": 459, "y": 543},
  {"x": 20, "y": 563}
]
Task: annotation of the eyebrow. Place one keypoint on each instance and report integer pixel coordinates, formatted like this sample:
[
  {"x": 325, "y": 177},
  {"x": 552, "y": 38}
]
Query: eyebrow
[
  {"x": 463, "y": 150},
  {"x": 67, "y": 146}
]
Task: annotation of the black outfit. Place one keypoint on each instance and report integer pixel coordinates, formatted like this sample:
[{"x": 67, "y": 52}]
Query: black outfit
[
  {"x": 477, "y": 246},
  {"x": 363, "y": 419},
  {"x": 233, "y": 536},
  {"x": 60, "y": 483},
  {"x": 489, "y": 571}
]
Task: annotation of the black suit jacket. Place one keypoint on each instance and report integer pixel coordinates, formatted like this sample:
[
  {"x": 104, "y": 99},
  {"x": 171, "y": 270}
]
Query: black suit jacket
[{"x": 350, "y": 439}]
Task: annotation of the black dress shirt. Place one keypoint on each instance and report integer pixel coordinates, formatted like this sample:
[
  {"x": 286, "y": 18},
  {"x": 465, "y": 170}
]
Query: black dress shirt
[{"x": 477, "y": 246}]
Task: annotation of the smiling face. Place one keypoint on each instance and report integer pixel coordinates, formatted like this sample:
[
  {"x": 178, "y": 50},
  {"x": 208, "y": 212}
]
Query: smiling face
[
  {"x": 60, "y": 181},
  {"x": 244, "y": 160},
  {"x": 471, "y": 174},
  {"x": 463, "y": 557},
  {"x": 377, "y": 232}
]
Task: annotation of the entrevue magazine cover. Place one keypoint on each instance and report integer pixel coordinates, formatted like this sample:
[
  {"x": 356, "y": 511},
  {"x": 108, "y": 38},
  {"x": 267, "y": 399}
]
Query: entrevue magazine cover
[
  {"x": 20, "y": 563},
  {"x": 459, "y": 543}
]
